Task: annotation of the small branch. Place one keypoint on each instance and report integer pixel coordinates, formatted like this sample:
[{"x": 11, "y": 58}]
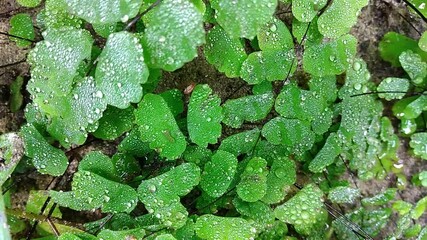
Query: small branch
[
  {"x": 12, "y": 64},
  {"x": 416, "y": 10},
  {"x": 139, "y": 16},
  {"x": 18, "y": 37}
]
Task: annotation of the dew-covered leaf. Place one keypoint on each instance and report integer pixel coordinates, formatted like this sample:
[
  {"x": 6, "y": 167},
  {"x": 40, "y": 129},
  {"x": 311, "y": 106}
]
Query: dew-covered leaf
[
  {"x": 343, "y": 194},
  {"x": 225, "y": 53},
  {"x": 126, "y": 166},
  {"x": 241, "y": 143},
  {"x": 204, "y": 116},
  {"x": 21, "y": 25},
  {"x": 104, "y": 11},
  {"x": 340, "y": 17},
  {"x": 326, "y": 156},
  {"x": 330, "y": 58},
  {"x": 174, "y": 30},
  {"x": 302, "y": 210},
  {"x": 166, "y": 236},
  {"x": 90, "y": 191},
  {"x": 46, "y": 158},
  {"x": 394, "y": 44},
  {"x": 253, "y": 180},
  {"x": 173, "y": 98},
  {"x": 395, "y": 88},
  {"x": 114, "y": 122},
  {"x": 419, "y": 208},
  {"x": 198, "y": 155},
  {"x": 54, "y": 63},
  {"x": 292, "y": 133},
  {"x": 218, "y": 173},
  {"x": 29, "y": 3},
  {"x": 55, "y": 15},
  {"x": 282, "y": 174},
  {"x": 275, "y": 36},
  {"x": 416, "y": 107},
  {"x": 380, "y": 199},
  {"x": 258, "y": 211},
  {"x": 242, "y": 18},
  {"x": 161, "y": 195},
  {"x": 133, "y": 145},
  {"x": 213, "y": 227},
  {"x": 107, "y": 234},
  {"x": 306, "y": 10},
  {"x": 276, "y": 230},
  {"x": 325, "y": 87},
  {"x": 248, "y": 108},
  {"x": 418, "y": 143},
  {"x": 307, "y": 31},
  {"x": 121, "y": 70},
  {"x": 100, "y": 164},
  {"x": 105, "y": 29},
  {"x": 357, "y": 80},
  {"x": 269, "y": 65},
  {"x": 402, "y": 207},
  {"x": 414, "y": 66},
  {"x": 158, "y": 126},
  {"x": 422, "y": 43}
]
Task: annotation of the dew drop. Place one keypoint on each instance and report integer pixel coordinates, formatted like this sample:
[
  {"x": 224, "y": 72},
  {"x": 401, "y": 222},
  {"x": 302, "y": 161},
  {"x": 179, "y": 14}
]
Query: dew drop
[
  {"x": 162, "y": 39},
  {"x": 99, "y": 94}
]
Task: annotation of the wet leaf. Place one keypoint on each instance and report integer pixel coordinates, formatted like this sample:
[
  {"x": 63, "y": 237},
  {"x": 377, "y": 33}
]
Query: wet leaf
[
  {"x": 225, "y": 53},
  {"x": 133, "y": 145},
  {"x": 55, "y": 15},
  {"x": 242, "y": 18},
  {"x": 416, "y": 107},
  {"x": 121, "y": 70},
  {"x": 394, "y": 44},
  {"x": 158, "y": 126},
  {"x": 11, "y": 151},
  {"x": 228, "y": 228},
  {"x": 402, "y": 207},
  {"x": 325, "y": 87},
  {"x": 114, "y": 122},
  {"x": 28, "y": 3},
  {"x": 419, "y": 208},
  {"x": 35, "y": 202},
  {"x": 174, "y": 30},
  {"x": 174, "y": 101},
  {"x": 305, "y": 11},
  {"x": 326, "y": 156},
  {"x": 104, "y": 11},
  {"x": 414, "y": 66},
  {"x": 204, "y": 116},
  {"x": 282, "y": 174},
  {"x": 46, "y": 158},
  {"x": 381, "y": 198},
  {"x": 198, "y": 155},
  {"x": 218, "y": 173},
  {"x": 393, "y": 85},
  {"x": 275, "y": 36},
  {"x": 258, "y": 211},
  {"x": 241, "y": 143},
  {"x": 343, "y": 194},
  {"x": 21, "y": 25},
  {"x": 100, "y": 164},
  {"x": 253, "y": 181},
  {"x": 418, "y": 143},
  {"x": 422, "y": 43},
  {"x": 107, "y": 234}
]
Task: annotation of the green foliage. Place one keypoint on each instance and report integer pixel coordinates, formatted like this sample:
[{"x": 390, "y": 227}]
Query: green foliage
[
  {"x": 16, "y": 98},
  {"x": 11, "y": 151},
  {"x": 253, "y": 181},
  {"x": 417, "y": 142},
  {"x": 343, "y": 194},
  {"x": 393, "y": 45},
  {"x": 21, "y": 25},
  {"x": 214, "y": 227},
  {"x": 29, "y": 3},
  {"x": 305, "y": 11},
  {"x": 393, "y": 88},
  {"x": 114, "y": 122}
]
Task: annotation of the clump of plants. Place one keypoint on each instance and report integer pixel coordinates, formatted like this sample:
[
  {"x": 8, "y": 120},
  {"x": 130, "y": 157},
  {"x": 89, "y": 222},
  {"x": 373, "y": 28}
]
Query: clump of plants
[{"x": 175, "y": 174}]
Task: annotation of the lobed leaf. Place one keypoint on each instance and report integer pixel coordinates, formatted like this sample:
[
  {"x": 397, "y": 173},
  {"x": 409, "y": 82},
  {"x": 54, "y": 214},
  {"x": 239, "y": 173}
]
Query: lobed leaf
[
  {"x": 380, "y": 199},
  {"x": 305, "y": 11},
  {"x": 343, "y": 194},
  {"x": 241, "y": 143},
  {"x": 114, "y": 122},
  {"x": 414, "y": 66},
  {"x": 242, "y": 18},
  {"x": 173, "y": 98},
  {"x": 397, "y": 88},
  {"x": 104, "y": 11},
  {"x": 326, "y": 156},
  {"x": 204, "y": 116},
  {"x": 325, "y": 87},
  {"x": 253, "y": 181},
  {"x": 174, "y": 30},
  {"x": 228, "y": 228},
  {"x": 218, "y": 173},
  {"x": 198, "y": 155},
  {"x": 394, "y": 44},
  {"x": 133, "y": 145},
  {"x": 249, "y": 108},
  {"x": 158, "y": 126},
  {"x": 282, "y": 174},
  {"x": 258, "y": 211},
  {"x": 21, "y": 25},
  {"x": 275, "y": 36},
  {"x": 307, "y": 31},
  {"x": 338, "y": 19},
  {"x": 416, "y": 107},
  {"x": 99, "y": 164},
  {"x": 121, "y": 70},
  {"x": 418, "y": 143},
  {"x": 28, "y": 3},
  {"x": 55, "y": 15},
  {"x": 46, "y": 158},
  {"x": 330, "y": 58},
  {"x": 225, "y": 53}
]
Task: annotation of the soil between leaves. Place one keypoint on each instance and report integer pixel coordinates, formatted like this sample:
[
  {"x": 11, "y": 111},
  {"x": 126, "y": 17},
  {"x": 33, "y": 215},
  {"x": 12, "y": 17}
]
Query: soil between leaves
[{"x": 379, "y": 17}]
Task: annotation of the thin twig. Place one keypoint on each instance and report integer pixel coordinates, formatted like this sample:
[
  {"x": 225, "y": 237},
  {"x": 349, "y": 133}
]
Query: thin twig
[
  {"x": 139, "y": 16},
  {"x": 416, "y": 10},
  {"x": 14, "y": 63},
  {"x": 15, "y": 36}
]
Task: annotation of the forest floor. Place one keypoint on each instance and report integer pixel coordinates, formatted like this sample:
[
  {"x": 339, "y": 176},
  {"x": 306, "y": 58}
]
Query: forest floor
[{"x": 378, "y": 18}]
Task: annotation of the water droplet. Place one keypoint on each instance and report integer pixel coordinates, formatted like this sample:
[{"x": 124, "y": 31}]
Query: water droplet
[
  {"x": 357, "y": 86},
  {"x": 99, "y": 94},
  {"x": 152, "y": 188},
  {"x": 125, "y": 18},
  {"x": 357, "y": 66},
  {"x": 75, "y": 96},
  {"x": 273, "y": 28},
  {"x": 162, "y": 39}
]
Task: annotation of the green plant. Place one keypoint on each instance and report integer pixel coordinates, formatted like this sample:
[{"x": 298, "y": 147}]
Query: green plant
[{"x": 176, "y": 174}]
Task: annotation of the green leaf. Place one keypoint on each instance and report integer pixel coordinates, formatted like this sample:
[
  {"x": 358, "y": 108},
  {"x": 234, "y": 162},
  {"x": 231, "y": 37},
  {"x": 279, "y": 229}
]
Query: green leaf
[
  {"x": 11, "y": 151},
  {"x": 29, "y": 3},
  {"x": 55, "y": 15},
  {"x": 396, "y": 86},
  {"x": 303, "y": 209},
  {"x": 126, "y": 166},
  {"x": 419, "y": 208},
  {"x": 249, "y": 108},
  {"x": 225, "y": 53},
  {"x": 269, "y": 65},
  {"x": 35, "y": 202},
  {"x": 418, "y": 143},
  {"x": 105, "y": 29},
  {"x": 114, "y": 122},
  {"x": 212, "y": 227},
  {"x": 173, "y": 98},
  {"x": 198, "y": 155},
  {"x": 420, "y": 5},
  {"x": 308, "y": 31},
  {"x": 305, "y": 11},
  {"x": 204, "y": 116},
  {"x": 133, "y": 145},
  {"x": 423, "y": 178},
  {"x": 107, "y": 234},
  {"x": 121, "y": 70},
  {"x": 100, "y": 164},
  {"x": 416, "y": 107},
  {"x": 258, "y": 211},
  {"x": 394, "y": 44},
  {"x": 174, "y": 30},
  {"x": 241, "y": 18},
  {"x": 282, "y": 174},
  {"x": 343, "y": 194},
  {"x": 46, "y": 158},
  {"x": 62, "y": 52},
  {"x": 338, "y": 19},
  {"x": 325, "y": 87},
  {"x": 16, "y": 98},
  {"x": 292, "y": 133},
  {"x": 253, "y": 181},
  {"x": 275, "y": 36},
  {"x": 241, "y": 143},
  {"x": 402, "y": 207},
  {"x": 326, "y": 156},
  {"x": 90, "y": 191},
  {"x": 161, "y": 195},
  {"x": 104, "y": 11},
  {"x": 218, "y": 173},
  {"x": 330, "y": 58},
  {"x": 21, "y": 25},
  {"x": 414, "y": 66},
  {"x": 422, "y": 43},
  {"x": 167, "y": 236},
  {"x": 380, "y": 199},
  {"x": 158, "y": 126}
]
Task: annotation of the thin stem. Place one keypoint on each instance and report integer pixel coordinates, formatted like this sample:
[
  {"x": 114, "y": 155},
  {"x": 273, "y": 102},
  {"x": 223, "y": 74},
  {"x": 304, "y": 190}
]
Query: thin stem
[
  {"x": 12, "y": 64},
  {"x": 139, "y": 16},
  {"x": 416, "y": 10},
  {"x": 15, "y": 36}
]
